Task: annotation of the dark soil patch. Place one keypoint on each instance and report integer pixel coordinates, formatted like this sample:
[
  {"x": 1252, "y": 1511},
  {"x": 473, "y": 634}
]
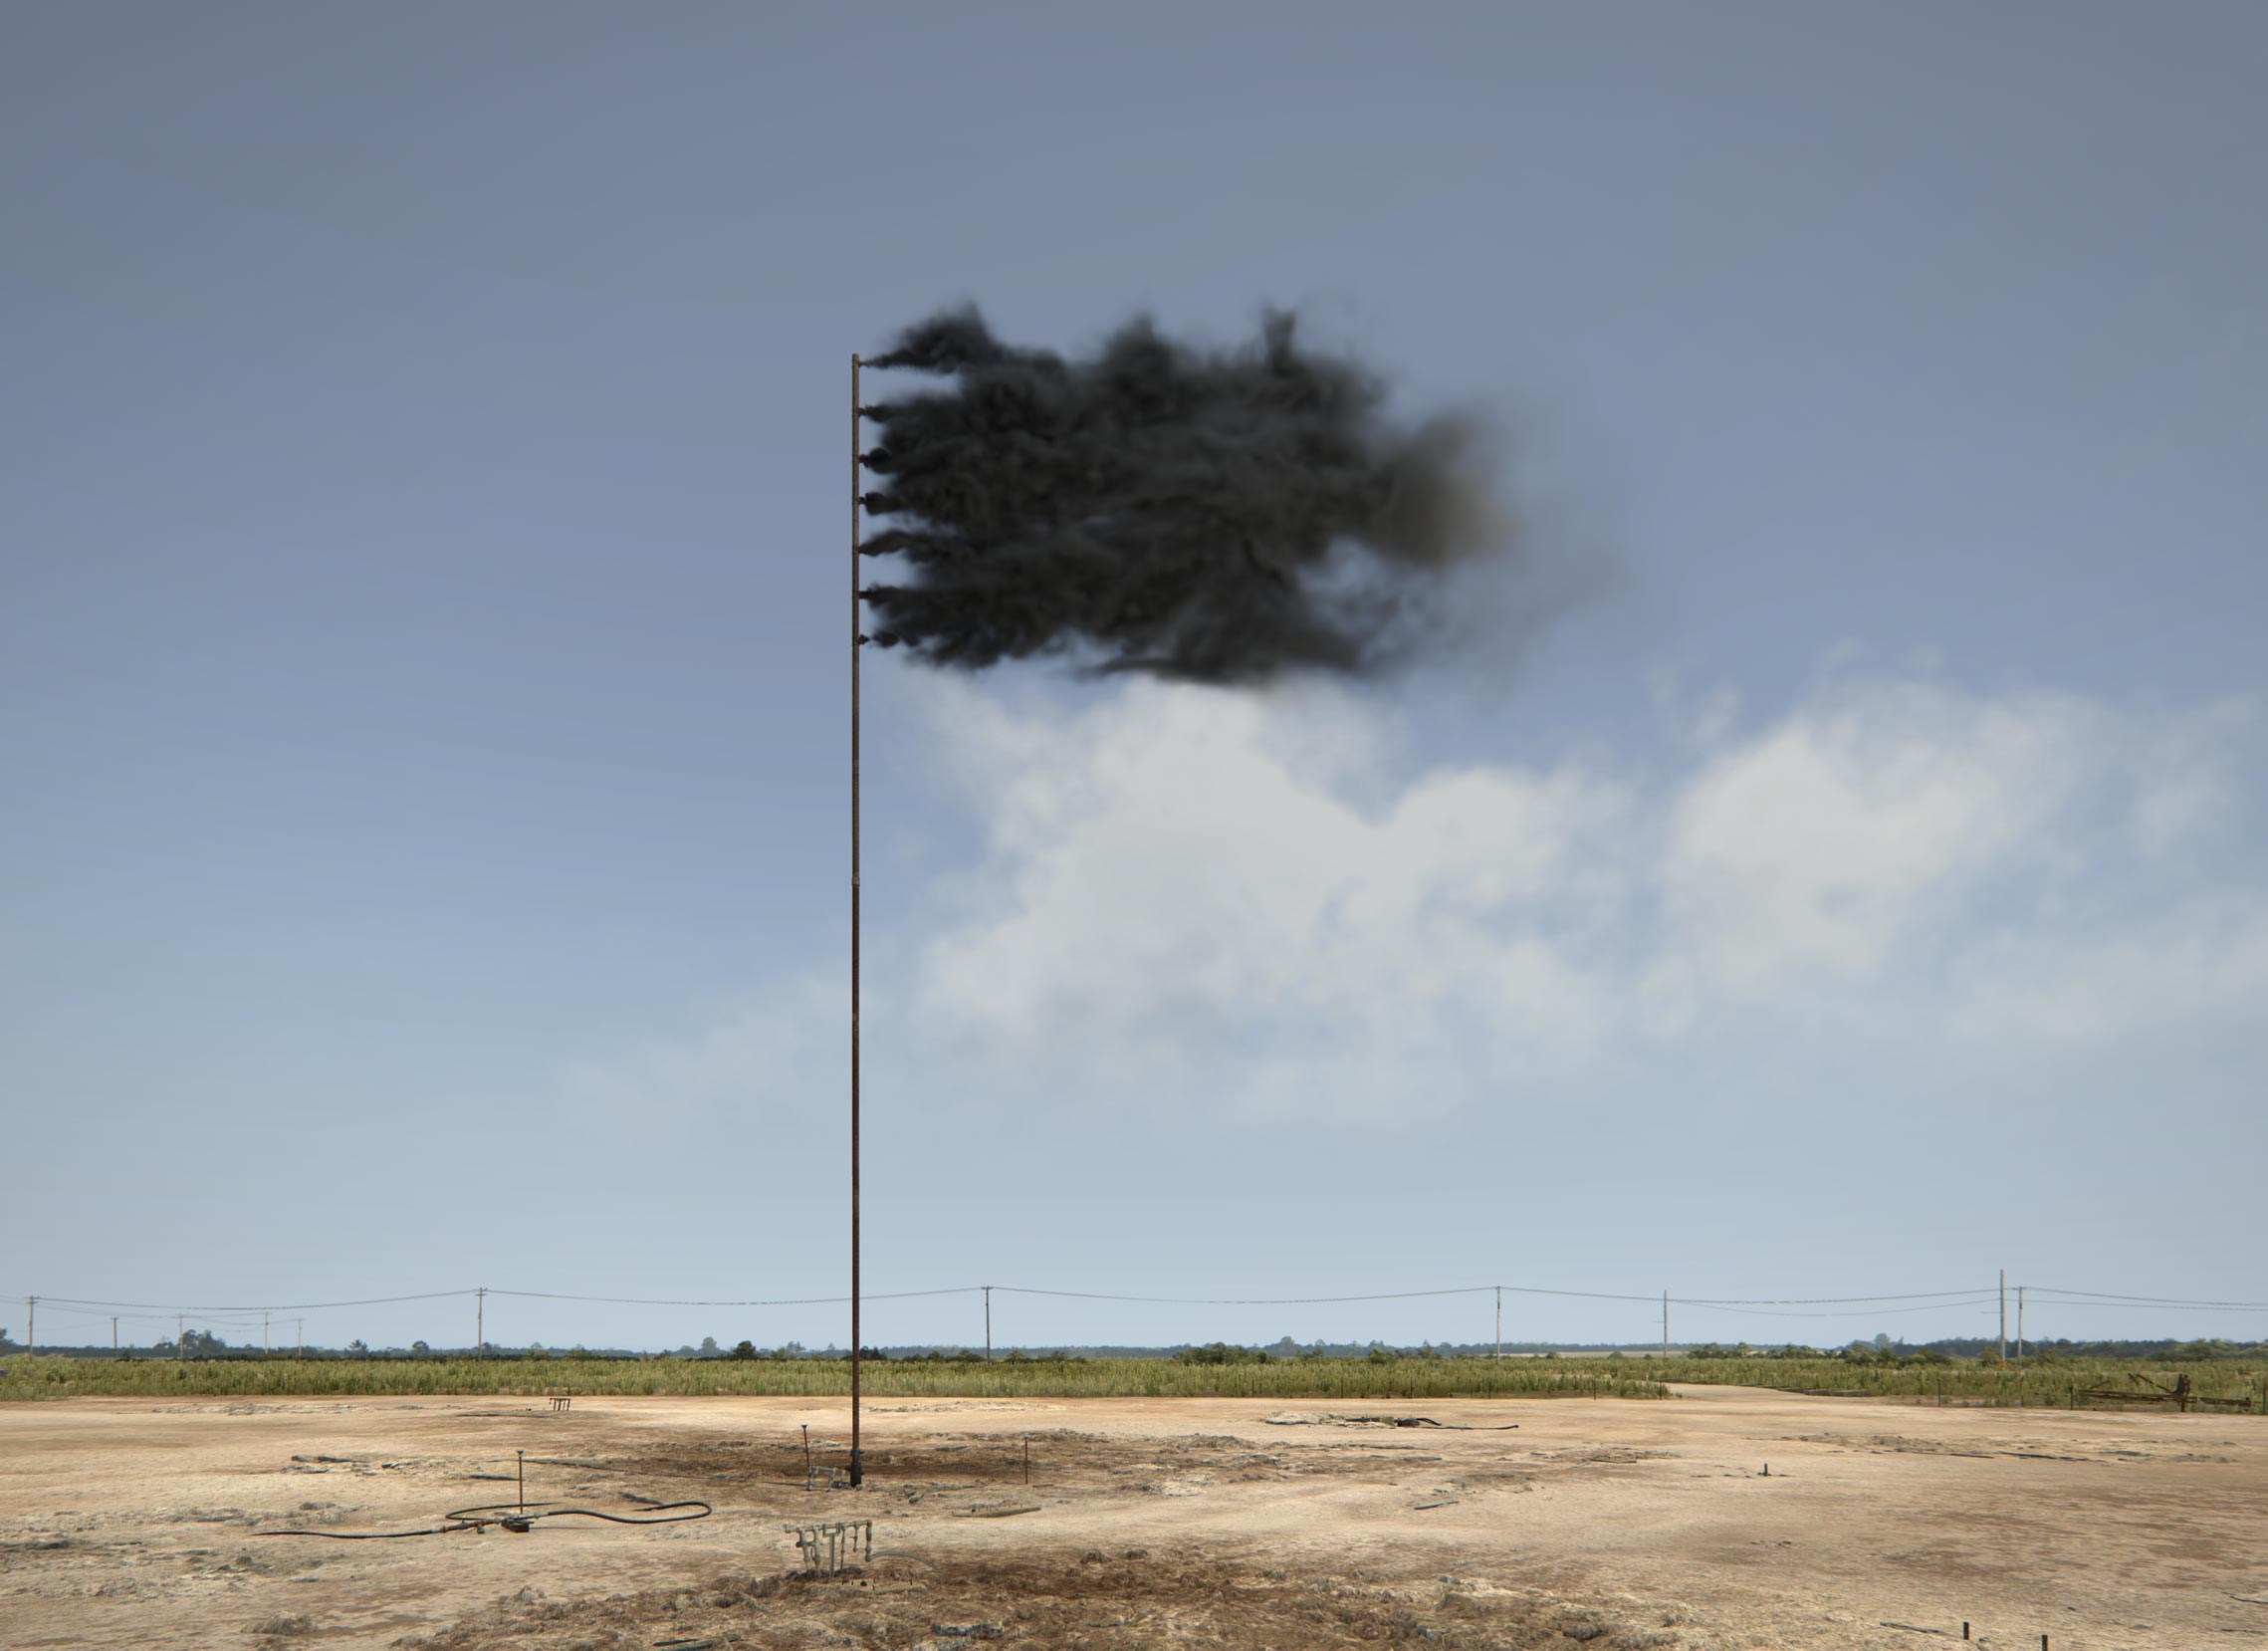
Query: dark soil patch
[{"x": 1094, "y": 1601}]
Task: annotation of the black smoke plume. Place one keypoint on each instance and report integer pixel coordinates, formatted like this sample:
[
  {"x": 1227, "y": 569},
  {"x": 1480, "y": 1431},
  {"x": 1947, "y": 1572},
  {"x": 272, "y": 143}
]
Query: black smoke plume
[{"x": 1213, "y": 516}]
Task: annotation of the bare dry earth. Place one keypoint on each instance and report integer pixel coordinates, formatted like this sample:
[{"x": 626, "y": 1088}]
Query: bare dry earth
[{"x": 1619, "y": 1525}]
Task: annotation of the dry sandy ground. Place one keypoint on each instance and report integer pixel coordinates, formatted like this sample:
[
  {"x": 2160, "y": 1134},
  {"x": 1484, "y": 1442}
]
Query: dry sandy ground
[{"x": 1617, "y": 1525}]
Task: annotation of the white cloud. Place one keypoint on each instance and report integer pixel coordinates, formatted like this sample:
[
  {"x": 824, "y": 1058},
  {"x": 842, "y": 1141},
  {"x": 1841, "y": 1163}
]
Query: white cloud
[
  {"x": 1249, "y": 905},
  {"x": 760, "y": 1056},
  {"x": 2175, "y": 977},
  {"x": 1238, "y": 902},
  {"x": 1210, "y": 893},
  {"x": 2191, "y": 792},
  {"x": 1822, "y": 842}
]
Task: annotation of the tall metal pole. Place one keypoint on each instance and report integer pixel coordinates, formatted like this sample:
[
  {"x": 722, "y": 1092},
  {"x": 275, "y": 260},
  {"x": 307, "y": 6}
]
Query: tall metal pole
[
  {"x": 31, "y": 1324},
  {"x": 988, "y": 1323},
  {"x": 857, "y": 640},
  {"x": 264, "y": 1329},
  {"x": 480, "y": 1320},
  {"x": 2019, "y": 1320},
  {"x": 1499, "y": 1320},
  {"x": 1665, "y": 1323},
  {"x": 2003, "y": 1315}
]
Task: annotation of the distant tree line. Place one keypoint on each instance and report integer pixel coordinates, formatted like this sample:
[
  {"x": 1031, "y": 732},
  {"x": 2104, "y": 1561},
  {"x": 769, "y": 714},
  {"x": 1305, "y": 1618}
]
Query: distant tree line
[{"x": 1880, "y": 1350}]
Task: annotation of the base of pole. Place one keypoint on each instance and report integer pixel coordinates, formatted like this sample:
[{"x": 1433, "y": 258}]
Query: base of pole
[{"x": 857, "y": 1469}]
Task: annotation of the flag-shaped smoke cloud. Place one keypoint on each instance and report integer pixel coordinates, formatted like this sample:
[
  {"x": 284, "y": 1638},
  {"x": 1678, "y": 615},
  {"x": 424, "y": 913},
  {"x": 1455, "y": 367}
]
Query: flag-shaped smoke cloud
[{"x": 1208, "y": 515}]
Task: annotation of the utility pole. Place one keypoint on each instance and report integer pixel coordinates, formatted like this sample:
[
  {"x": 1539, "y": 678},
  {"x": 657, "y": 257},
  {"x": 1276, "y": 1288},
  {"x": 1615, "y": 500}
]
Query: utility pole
[
  {"x": 2019, "y": 1320},
  {"x": 1499, "y": 1320},
  {"x": 988, "y": 1323},
  {"x": 264, "y": 1331},
  {"x": 114, "y": 1332},
  {"x": 2003, "y": 1315},
  {"x": 178, "y": 1349},
  {"x": 299, "y": 1325},
  {"x": 857, "y": 641},
  {"x": 31, "y": 1324},
  {"x": 1665, "y": 1323},
  {"x": 480, "y": 1322}
]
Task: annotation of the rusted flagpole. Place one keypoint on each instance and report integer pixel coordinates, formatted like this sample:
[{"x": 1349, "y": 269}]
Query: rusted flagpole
[{"x": 857, "y": 641}]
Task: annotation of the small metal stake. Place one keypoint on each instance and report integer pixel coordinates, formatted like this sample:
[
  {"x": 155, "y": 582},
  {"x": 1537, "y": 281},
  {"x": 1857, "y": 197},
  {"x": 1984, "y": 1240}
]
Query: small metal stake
[{"x": 522, "y": 1455}]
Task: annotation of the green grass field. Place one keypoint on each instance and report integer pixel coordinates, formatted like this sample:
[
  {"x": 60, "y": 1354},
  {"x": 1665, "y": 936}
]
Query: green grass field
[
  {"x": 1969, "y": 1382},
  {"x": 2059, "y": 1383},
  {"x": 48, "y": 1377}
]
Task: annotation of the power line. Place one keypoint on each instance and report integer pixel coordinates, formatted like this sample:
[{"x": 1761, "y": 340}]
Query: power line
[
  {"x": 787, "y": 1301},
  {"x": 2132, "y": 1300},
  {"x": 261, "y": 1306},
  {"x": 1764, "y": 1306},
  {"x": 2149, "y": 1307},
  {"x": 199, "y": 1319},
  {"x": 1810, "y": 1301},
  {"x": 1249, "y": 1300},
  {"x": 1584, "y": 1295},
  {"x": 1855, "y": 1312}
]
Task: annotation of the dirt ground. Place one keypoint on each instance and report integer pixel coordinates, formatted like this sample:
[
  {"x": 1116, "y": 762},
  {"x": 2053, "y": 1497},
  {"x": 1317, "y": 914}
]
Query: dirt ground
[{"x": 1621, "y": 1525}]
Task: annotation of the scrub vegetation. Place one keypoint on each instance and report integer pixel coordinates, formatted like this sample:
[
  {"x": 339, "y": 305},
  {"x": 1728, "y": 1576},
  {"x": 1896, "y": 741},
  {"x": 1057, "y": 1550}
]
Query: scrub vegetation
[{"x": 2232, "y": 1379}]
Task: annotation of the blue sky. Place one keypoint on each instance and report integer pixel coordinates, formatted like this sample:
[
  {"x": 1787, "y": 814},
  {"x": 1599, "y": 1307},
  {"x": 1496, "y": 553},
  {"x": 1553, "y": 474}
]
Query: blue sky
[{"x": 422, "y": 698}]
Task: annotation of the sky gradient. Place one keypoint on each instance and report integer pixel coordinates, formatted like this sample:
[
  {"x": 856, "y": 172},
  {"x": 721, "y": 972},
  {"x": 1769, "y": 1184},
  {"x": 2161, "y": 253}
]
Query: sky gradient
[{"x": 1829, "y": 864}]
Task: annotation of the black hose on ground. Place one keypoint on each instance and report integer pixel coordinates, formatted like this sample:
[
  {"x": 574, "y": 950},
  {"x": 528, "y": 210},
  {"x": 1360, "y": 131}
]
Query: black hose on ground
[{"x": 511, "y": 1517}]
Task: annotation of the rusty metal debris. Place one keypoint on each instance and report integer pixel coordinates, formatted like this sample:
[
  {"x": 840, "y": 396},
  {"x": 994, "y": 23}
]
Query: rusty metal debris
[
  {"x": 828, "y": 1550},
  {"x": 2182, "y": 1393}
]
